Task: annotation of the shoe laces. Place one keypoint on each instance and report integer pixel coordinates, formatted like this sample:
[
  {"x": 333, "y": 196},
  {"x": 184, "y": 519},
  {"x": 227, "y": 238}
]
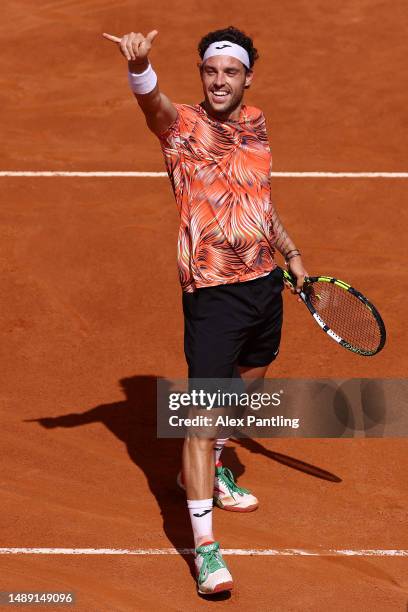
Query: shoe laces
[
  {"x": 227, "y": 478},
  {"x": 212, "y": 561}
]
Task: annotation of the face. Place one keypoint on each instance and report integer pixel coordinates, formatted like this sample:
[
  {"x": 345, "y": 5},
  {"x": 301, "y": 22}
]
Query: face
[{"x": 224, "y": 80}]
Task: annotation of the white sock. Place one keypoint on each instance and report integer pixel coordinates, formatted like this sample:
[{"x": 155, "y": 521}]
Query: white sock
[
  {"x": 201, "y": 519},
  {"x": 218, "y": 448}
]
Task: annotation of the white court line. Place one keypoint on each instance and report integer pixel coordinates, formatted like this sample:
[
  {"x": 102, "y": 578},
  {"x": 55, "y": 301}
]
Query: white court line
[
  {"x": 56, "y": 173},
  {"x": 267, "y": 552}
]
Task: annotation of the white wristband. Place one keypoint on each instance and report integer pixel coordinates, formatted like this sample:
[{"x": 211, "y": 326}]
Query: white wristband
[{"x": 143, "y": 82}]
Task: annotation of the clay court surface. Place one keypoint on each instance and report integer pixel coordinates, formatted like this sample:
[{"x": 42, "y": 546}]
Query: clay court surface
[{"x": 91, "y": 309}]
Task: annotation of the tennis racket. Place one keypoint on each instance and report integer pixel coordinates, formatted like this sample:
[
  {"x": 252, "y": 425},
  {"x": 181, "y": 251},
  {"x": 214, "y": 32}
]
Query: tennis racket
[{"x": 343, "y": 313}]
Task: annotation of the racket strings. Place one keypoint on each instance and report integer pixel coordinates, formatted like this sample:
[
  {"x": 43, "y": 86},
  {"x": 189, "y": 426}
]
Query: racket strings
[{"x": 346, "y": 315}]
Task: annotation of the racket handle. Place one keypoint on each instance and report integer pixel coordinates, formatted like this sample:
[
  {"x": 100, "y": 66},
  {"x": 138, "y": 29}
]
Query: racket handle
[{"x": 288, "y": 276}]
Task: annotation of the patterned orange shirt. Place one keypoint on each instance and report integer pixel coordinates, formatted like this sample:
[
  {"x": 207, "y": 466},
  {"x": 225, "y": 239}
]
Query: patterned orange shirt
[{"x": 219, "y": 172}]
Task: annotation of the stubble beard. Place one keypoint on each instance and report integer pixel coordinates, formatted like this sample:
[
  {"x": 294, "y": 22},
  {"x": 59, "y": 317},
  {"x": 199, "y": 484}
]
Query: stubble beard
[{"x": 223, "y": 113}]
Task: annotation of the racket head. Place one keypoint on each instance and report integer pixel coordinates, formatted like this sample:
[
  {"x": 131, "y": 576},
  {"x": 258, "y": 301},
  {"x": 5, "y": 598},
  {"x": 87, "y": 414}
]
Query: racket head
[{"x": 344, "y": 313}]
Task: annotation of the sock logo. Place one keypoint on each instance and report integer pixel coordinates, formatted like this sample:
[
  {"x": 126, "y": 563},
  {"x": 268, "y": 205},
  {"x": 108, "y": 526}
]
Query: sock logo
[
  {"x": 203, "y": 513},
  {"x": 222, "y": 46}
]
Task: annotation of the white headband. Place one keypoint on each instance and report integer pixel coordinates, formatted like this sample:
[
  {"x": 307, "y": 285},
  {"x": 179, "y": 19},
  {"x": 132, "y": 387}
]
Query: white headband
[{"x": 225, "y": 47}]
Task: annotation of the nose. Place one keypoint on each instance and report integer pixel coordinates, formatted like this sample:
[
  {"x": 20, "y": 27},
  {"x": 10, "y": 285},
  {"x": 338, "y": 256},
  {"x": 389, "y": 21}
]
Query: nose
[{"x": 220, "y": 79}]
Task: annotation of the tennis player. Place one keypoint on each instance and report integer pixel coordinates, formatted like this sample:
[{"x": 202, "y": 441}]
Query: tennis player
[{"x": 218, "y": 160}]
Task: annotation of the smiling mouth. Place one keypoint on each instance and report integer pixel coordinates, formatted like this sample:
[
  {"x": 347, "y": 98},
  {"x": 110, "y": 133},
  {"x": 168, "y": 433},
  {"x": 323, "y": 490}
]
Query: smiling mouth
[{"x": 220, "y": 96}]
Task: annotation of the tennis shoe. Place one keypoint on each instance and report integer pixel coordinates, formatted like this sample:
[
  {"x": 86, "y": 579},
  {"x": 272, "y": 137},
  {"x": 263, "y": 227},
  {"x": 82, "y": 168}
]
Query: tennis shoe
[
  {"x": 212, "y": 573},
  {"x": 227, "y": 494}
]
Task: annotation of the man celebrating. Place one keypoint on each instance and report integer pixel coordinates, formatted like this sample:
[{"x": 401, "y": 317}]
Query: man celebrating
[{"x": 218, "y": 160}]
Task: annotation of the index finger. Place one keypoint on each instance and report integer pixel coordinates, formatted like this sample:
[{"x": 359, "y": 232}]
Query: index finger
[{"x": 114, "y": 39}]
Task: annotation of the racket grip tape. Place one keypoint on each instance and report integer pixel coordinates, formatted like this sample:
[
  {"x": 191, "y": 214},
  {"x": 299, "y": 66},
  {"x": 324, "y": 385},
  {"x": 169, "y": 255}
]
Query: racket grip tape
[
  {"x": 291, "y": 279},
  {"x": 288, "y": 276}
]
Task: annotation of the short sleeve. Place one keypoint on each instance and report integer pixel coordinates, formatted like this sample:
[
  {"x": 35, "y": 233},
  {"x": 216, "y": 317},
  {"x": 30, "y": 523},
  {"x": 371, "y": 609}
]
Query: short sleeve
[
  {"x": 168, "y": 136},
  {"x": 181, "y": 128}
]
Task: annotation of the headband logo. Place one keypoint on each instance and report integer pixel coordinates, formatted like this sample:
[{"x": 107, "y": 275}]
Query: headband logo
[{"x": 223, "y": 47}]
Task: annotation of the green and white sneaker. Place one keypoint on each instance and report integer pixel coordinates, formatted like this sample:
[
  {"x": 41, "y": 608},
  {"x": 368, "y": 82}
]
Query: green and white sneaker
[
  {"x": 212, "y": 573},
  {"x": 228, "y": 495}
]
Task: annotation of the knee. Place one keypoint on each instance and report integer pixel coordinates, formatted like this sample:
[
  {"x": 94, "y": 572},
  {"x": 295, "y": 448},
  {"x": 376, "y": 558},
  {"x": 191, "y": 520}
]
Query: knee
[{"x": 199, "y": 444}]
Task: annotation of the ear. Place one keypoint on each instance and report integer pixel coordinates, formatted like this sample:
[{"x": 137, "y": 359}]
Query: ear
[
  {"x": 248, "y": 78},
  {"x": 200, "y": 66}
]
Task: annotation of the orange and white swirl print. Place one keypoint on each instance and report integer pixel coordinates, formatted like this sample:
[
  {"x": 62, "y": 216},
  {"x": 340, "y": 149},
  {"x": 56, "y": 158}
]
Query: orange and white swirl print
[{"x": 220, "y": 175}]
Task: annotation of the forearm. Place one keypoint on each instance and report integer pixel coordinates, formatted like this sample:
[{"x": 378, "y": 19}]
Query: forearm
[
  {"x": 142, "y": 79},
  {"x": 281, "y": 239},
  {"x": 157, "y": 108},
  {"x": 287, "y": 248},
  {"x": 149, "y": 101}
]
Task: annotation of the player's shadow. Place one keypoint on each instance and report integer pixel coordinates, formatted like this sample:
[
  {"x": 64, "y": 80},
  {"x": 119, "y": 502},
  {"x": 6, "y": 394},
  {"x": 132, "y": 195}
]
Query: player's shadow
[
  {"x": 133, "y": 421},
  {"x": 307, "y": 468}
]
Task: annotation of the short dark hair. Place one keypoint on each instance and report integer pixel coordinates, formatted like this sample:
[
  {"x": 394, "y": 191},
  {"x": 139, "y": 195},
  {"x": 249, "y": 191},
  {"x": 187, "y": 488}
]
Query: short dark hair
[{"x": 233, "y": 35}]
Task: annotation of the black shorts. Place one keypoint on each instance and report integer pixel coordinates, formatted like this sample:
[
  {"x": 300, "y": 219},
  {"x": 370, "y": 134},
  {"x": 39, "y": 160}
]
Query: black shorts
[{"x": 232, "y": 325}]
